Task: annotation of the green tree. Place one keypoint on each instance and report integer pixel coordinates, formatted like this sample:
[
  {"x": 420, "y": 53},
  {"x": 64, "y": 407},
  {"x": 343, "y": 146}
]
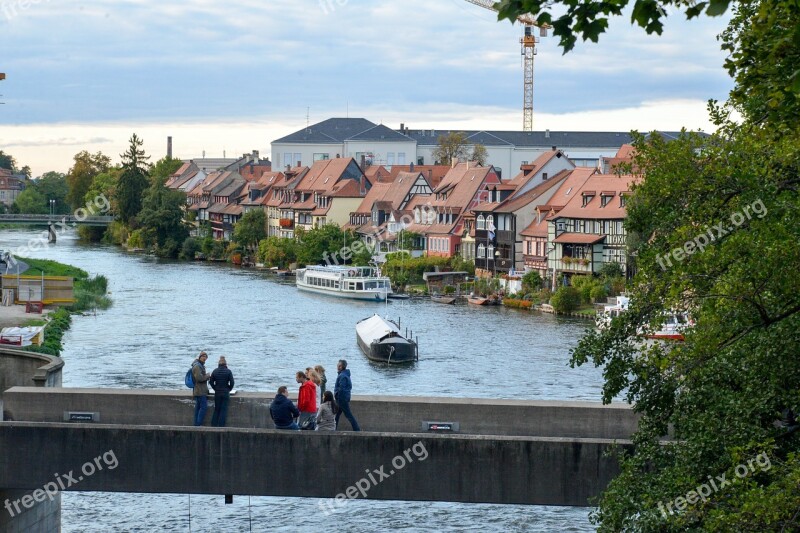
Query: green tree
[
  {"x": 329, "y": 239},
  {"x": 251, "y": 229},
  {"x": 479, "y": 154},
  {"x": 133, "y": 181},
  {"x": 7, "y": 161},
  {"x": 450, "y": 147},
  {"x": 80, "y": 176},
  {"x": 277, "y": 251},
  {"x": 53, "y": 186},
  {"x": 161, "y": 216},
  {"x": 566, "y": 299},
  {"x": 31, "y": 201},
  {"x": 164, "y": 168}
]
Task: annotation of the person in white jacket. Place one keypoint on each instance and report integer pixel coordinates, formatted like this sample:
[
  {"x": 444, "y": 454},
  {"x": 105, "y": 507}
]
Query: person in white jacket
[{"x": 326, "y": 416}]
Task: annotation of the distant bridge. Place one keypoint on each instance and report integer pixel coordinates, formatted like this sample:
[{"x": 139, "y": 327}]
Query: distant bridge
[{"x": 58, "y": 221}]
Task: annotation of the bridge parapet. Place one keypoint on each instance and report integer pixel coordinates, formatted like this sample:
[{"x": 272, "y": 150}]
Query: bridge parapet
[{"x": 405, "y": 414}]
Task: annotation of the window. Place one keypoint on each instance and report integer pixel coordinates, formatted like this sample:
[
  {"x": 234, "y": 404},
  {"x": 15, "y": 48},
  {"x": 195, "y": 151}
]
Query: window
[
  {"x": 604, "y": 199},
  {"x": 481, "y": 251},
  {"x": 321, "y": 157},
  {"x": 390, "y": 158},
  {"x": 287, "y": 159},
  {"x": 622, "y": 198},
  {"x": 587, "y": 197},
  {"x": 490, "y": 251},
  {"x": 490, "y": 222},
  {"x": 401, "y": 158},
  {"x": 480, "y": 222},
  {"x": 544, "y": 176},
  {"x": 580, "y": 226}
]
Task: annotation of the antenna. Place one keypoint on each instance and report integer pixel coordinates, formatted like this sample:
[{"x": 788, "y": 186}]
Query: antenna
[{"x": 308, "y": 110}]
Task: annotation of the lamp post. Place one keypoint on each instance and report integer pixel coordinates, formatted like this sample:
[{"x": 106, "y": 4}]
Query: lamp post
[
  {"x": 496, "y": 257},
  {"x": 52, "y": 207}
]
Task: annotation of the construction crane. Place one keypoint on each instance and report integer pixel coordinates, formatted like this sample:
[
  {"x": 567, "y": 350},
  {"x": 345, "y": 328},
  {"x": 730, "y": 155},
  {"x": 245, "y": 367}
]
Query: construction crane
[{"x": 528, "y": 51}]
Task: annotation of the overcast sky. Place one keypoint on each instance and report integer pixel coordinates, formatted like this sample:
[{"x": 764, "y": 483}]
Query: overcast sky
[{"x": 232, "y": 76}]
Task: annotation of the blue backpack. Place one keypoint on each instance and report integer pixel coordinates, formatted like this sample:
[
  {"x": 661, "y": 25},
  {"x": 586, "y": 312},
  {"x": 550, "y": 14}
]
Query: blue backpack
[{"x": 189, "y": 378}]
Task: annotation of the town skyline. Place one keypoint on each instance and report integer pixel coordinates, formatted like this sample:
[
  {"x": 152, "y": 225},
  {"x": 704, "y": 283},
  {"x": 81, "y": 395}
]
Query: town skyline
[{"x": 235, "y": 78}]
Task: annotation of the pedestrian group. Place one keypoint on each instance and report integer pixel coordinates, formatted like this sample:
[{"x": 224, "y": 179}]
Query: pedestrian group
[{"x": 283, "y": 412}]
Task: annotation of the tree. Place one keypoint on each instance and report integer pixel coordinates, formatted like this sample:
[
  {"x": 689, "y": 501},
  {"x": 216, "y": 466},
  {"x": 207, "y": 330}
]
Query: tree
[
  {"x": 164, "y": 168},
  {"x": 251, "y": 229},
  {"x": 479, "y": 154},
  {"x": 450, "y": 147},
  {"x": 161, "y": 216},
  {"x": 277, "y": 251},
  {"x": 7, "y": 161},
  {"x": 53, "y": 186},
  {"x": 79, "y": 178},
  {"x": 31, "y": 201},
  {"x": 133, "y": 181}
]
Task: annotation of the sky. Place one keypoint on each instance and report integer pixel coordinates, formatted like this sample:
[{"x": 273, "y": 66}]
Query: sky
[{"x": 230, "y": 77}]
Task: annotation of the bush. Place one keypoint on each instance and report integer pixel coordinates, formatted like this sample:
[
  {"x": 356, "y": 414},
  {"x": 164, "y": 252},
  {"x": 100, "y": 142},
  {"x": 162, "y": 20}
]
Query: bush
[
  {"x": 531, "y": 281},
  {"x": 448, "y": 289},
  {"x": 91, "y": 294},
  {"x": 169, "y": 249},
  {"x": 190, "y": 247},
  {"x": 517, "y": 303},
  {"x": 598, "y": 292},
  {"x": 53, "y": 333},
  {"x": 611, "y": 270},
  {"x": 566, "y": 300}
]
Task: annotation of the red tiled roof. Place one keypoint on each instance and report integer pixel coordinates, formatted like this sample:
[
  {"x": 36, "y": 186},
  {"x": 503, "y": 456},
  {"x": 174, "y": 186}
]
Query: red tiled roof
[
  {"x": 461, "y": 183},
  {"x": 593, "y": 209},
  {"x": 579, "y": 238},
  {"x": 323, "y": 175},
  {"x": 433, "y": 173},
  {"x": 347, "y": 189},
  {"x": 375, "y": 194}
]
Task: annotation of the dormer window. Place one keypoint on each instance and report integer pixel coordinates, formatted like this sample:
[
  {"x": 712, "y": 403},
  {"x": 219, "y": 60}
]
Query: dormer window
[
  {"x": 588, "y": 196},
  {"x": 623, "y": 197},
  {"x": 605, "y": 198}
]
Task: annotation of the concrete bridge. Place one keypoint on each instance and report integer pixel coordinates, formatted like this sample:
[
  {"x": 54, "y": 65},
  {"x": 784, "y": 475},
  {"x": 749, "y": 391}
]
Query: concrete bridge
[
  {"x": 56, "y": 223},
  {"x": 432, "y": 449}
]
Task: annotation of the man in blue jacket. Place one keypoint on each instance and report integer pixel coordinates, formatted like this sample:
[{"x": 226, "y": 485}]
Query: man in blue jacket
[
  {"x": 283, "y": 411},
  {"x": 341, "y": 393}
]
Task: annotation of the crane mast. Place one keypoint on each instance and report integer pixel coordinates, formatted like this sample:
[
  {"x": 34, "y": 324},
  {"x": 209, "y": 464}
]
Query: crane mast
[{"x": 528, "y": 51}]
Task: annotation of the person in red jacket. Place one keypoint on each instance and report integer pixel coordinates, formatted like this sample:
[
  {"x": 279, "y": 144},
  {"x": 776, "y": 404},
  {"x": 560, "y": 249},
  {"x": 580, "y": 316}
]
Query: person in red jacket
[{"x": 306, "y": 398}]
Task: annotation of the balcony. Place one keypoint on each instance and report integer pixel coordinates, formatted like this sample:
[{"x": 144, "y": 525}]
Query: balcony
[
  {"x": 286, "y": 223},
  {"x": 570, "y": 264}
]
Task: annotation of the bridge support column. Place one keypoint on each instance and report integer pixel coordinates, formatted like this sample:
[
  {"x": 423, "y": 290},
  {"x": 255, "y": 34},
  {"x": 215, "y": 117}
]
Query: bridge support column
[{"x": 51, "y": 233}]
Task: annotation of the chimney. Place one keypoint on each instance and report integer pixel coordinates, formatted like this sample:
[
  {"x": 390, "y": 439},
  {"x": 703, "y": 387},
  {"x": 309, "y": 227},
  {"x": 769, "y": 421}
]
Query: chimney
[
  {"x": 299, "y": 163},
  {"x": 363, "y": 161},
  {"x": 430, "y": 176},
  {"x": 411, "y": 167},
  {"x": 554, "y": 148},
  {"x": 402, "y": 127},
  {"x": 546, "y": 134},
  {"x": 169, "y": 146},
  {"x": 288, "y": 168},
  {"x": 204, "y": 154},
  {"x": 255, "y": 157}
]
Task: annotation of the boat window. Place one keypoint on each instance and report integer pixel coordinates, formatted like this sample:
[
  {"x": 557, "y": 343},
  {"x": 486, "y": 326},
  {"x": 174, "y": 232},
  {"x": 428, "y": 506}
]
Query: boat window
[
  {"x": 335, "y": 284},
  {"x": 359, "y": 286}
]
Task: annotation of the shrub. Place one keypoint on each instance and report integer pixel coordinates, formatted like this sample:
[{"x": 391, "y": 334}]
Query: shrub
[
  {"x": 598, "y": 292},
  {"x": 448, "y": 289},
  {"x": 531, "y": 281},
  {"x": 565, "y": 300},
  {"x": 190, "y": 247},
  {"x": 53, "y": 333}
]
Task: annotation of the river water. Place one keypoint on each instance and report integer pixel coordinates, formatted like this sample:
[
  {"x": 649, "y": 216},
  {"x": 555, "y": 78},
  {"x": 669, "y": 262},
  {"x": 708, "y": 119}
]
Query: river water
[{"x": 165, "y": 312}]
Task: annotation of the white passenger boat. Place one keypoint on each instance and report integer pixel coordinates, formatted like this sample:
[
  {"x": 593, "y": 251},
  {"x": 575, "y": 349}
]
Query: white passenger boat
[
  {"x": 673, "y": 327},
  {"x": 355, "y": 282}
]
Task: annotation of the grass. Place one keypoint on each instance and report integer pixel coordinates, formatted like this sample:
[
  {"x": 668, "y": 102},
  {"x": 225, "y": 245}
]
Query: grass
[{"x": 52, "y": 268}]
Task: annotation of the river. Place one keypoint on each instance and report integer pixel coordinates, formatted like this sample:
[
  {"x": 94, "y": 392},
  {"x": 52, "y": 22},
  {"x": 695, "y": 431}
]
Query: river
[{"x": 165, "y": 312}]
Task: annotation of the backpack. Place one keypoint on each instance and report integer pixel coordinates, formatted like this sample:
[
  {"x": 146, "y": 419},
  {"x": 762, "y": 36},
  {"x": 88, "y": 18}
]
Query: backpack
[{"x": 189, "y": 378}]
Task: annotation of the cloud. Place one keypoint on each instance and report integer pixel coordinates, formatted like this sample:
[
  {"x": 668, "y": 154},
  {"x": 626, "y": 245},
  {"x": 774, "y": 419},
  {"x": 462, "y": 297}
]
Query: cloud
[{"x": 63, "y": 141}]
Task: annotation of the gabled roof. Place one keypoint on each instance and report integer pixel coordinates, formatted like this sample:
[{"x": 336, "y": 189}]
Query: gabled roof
[
  {"x": 378, "y": 133},
  {"x": 529, "y": 171},
  {"x": 347, "y": 189},
  {"x": 333, "y": 130},
  {"x": 433, "y": 173},
  {"x": 593, "y": 209},
  {"x": 461, "y": 184},
  {"x": 376, "y": 173},
  {"x": 513, "y": 204},
  {"x": 375, "y": 194},
  {"x": 323, "y": 175}
]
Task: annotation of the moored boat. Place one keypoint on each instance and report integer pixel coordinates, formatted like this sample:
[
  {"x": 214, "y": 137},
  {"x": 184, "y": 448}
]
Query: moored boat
[
  {"x": 478, "y": 300},
  {"x": 381, "y": 341},
  {"x": 354, "y": 282},
  {"x": 443, "y": 299}
]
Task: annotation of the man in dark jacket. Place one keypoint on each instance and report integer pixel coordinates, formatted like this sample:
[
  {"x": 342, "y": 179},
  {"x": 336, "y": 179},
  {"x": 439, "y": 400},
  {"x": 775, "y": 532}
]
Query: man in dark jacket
[
  {"x": 341, "y": 393},
  {"x": 283, "y": 411},
  {"x": 200, "y": 391},
  {"x": 222, "y": 383}
]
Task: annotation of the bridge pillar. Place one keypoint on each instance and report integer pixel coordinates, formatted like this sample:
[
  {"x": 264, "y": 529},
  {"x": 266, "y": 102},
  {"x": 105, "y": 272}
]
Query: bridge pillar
[{"x": 51, "y": 233}]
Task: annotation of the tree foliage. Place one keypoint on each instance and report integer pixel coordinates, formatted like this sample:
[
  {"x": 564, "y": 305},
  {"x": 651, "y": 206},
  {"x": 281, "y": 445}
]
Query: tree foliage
[
  {"x": 161, "y": 219},
  {"x": 479, "y": 154},
  {"x": 7, "y": 161},
  {"x": 133, "y": 181},
  {"x": 277, "y": 251},
  {"x": 31, "y": 201},
  {"x": 251, "y": 229},
  {"x": 80, "y": 176},
  {"x": 450, "y": 147}
]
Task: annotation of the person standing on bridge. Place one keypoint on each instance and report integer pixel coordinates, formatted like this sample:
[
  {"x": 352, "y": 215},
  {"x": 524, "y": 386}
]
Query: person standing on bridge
[
  {"x": 200, "y": 391},
  {"x": 306, "y": 398},
  {"x": 222, "y": 383},
  {"x": 341, "y": 393}
]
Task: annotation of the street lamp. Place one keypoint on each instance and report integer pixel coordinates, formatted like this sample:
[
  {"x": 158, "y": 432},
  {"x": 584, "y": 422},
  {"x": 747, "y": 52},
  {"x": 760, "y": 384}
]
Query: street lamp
[
  {"x": 52, "y": 207},
  {"x": 496, "y": 257}
]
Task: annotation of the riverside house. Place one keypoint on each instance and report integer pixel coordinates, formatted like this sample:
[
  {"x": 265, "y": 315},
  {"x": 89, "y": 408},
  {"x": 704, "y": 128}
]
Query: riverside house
[
  {"x": 463, "y": 188},
  {"x": 280, "y": 200},
  {"x": 589, "y": 231}
]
